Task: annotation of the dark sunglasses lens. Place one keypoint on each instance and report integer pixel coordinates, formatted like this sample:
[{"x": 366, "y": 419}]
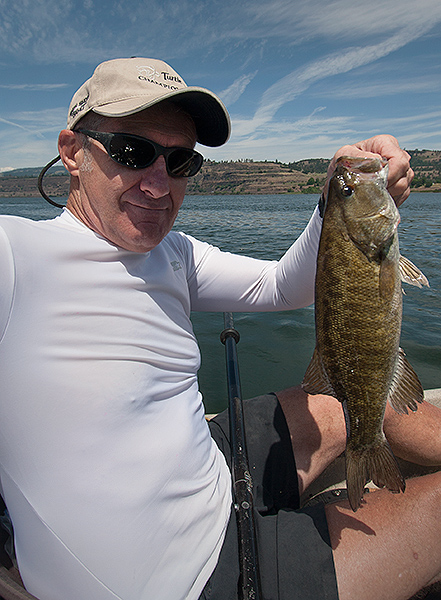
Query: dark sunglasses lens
[
  {"x": 184, "y": 163},
  {"x": 140, "y": 153},
  {"x": 132, "y": 152}
]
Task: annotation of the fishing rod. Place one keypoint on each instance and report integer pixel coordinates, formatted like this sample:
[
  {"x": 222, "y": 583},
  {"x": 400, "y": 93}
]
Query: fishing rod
[{"x": 242, "y": 482}]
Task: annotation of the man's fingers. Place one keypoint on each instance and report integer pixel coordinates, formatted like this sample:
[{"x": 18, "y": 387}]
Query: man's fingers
[{"x": 400, "y": 173}]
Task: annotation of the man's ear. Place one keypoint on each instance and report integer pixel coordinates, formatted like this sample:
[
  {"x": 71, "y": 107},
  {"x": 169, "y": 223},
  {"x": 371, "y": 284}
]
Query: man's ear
[{"x": 71, "y": 151}]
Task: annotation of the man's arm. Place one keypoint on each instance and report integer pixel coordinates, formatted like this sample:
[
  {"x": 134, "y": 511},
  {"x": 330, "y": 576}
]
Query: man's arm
[
  {"x": 226, "y": 282},
  {"x": 7, "y": 281}
]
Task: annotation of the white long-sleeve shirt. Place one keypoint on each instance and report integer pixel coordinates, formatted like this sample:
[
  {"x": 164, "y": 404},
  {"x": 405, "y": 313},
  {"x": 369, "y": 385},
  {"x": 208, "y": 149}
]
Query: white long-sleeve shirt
[{"x": 114, "y": 485}]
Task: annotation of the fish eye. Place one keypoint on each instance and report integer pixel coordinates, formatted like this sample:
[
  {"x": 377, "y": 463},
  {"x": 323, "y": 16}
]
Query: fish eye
[{"x": 347, "y": 191}]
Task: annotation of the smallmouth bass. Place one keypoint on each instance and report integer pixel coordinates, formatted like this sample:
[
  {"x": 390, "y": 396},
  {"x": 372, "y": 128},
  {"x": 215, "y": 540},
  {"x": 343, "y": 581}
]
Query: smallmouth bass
[{"x": 358, "y": 311}]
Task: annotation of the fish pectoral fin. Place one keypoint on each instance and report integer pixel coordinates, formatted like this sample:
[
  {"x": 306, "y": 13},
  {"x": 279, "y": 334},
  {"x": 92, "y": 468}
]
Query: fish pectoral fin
[
  {"x": 406, "y": 390},
  {"x": 411, "y": 274},
  {"x": 387, "y": 278},
  {"x": 315, "y": 380}
]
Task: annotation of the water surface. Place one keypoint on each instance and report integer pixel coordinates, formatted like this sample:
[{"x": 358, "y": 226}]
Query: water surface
[{"x": 275, "y": 348}]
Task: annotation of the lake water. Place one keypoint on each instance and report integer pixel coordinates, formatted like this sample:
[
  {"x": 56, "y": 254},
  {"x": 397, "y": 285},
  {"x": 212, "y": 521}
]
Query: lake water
[{"x": 275, "y": 348}]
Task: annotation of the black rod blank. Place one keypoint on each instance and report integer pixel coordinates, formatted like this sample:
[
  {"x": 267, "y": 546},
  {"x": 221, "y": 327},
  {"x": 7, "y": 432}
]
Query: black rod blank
[{"x": 249, "y": 585}]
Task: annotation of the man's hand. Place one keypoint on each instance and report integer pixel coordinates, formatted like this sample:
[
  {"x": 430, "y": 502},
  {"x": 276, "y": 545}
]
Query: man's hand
[{"x": 400, "y": 173}]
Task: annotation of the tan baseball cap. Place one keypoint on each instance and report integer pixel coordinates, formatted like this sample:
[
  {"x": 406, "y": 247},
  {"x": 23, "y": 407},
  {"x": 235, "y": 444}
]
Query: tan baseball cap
[{"x": 125, "y": 86}]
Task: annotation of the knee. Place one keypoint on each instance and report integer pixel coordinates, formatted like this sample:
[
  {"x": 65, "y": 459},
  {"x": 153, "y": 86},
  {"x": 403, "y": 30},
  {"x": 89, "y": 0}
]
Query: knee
[
  {"x": 313, "y": 419},
  {"x": 317, "y": 429}
]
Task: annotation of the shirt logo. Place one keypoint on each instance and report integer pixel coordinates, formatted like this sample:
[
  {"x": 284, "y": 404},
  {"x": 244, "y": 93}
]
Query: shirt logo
[{"x": 176, "y": 265}]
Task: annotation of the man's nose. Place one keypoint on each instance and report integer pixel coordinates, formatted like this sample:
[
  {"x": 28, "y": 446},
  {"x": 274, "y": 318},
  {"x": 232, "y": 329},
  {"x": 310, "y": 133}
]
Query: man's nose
[{"x": 155, "y": 180}]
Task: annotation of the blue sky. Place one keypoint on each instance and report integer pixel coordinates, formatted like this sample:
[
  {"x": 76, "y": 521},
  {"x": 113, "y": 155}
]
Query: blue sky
[{"x": 299, "y": 77}]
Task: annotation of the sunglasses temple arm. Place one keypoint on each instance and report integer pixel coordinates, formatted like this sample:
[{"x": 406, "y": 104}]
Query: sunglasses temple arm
[{"x": 40, "y": 182}]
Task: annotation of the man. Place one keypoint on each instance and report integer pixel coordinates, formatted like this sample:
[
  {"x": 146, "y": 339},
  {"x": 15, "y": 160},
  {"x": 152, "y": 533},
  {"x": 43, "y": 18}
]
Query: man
[{"x": 115, "y": 487}]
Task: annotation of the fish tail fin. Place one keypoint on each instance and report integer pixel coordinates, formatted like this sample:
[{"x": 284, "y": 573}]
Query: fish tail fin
[{"x": 376, "y": 463}]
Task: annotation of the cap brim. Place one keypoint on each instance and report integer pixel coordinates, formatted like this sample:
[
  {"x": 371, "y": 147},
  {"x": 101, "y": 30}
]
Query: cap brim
[{"x": 209, "y": 114}]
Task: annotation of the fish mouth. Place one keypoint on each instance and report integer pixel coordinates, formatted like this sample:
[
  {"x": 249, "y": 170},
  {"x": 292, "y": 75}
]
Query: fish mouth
[
  {"x": 364, "y": 168},
  {"x": 367, "y": 164}
]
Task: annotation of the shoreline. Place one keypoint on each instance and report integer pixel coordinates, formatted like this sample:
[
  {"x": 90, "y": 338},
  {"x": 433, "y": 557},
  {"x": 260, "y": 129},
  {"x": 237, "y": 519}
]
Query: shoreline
[
  {"x": 36, "y": 194},
  {"x": 240, "y": 177}
]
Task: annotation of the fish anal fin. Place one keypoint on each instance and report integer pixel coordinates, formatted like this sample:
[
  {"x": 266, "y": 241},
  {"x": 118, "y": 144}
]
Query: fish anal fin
[
  {"x": 411, "y": 274},
  {"x": 315, "y": 380},
  {"x": 376, "y": 463},
  {"x": 406, "y": 390}
]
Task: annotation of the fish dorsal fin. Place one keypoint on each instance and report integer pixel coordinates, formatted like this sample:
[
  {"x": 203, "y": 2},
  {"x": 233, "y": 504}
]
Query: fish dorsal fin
[
  {"x": 315, "y": 380},
  {"x": 411, "y": 274},
  {"x": 406, "y": 390}
]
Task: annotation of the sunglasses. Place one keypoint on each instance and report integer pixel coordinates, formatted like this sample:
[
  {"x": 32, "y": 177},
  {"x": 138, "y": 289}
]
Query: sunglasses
[{"x": 138, "y": 153}]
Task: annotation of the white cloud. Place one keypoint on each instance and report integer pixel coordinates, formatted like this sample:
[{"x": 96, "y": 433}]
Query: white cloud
[
  {"x": 239, "y": 47},
  {"x": 236, "y": 89},
  {"x": 45, "y": 119},
  {"x": 49, "y": 31},
  {"x": 92, "y": 30},
  {"x": 366, "y": 89},
  {"x": 22, "y": 150},
  {"x": 344, "y": 20},
  {"x": 29, "y": 138},
  {"x": 296, "y": 82},
  {"x": 34, "y": 87},
  {"x": 7, "y": 122},
  {"x": 319, "y": 136}
]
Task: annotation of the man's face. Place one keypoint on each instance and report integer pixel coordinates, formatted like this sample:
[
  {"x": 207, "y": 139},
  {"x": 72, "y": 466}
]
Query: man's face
[{"x": 133, "y": 208}]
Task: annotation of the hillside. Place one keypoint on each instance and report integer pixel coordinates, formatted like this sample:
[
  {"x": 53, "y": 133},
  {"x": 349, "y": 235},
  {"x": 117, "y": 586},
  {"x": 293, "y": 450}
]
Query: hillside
[
  {"x": 234, "y": 177},
  {"x": 247, "y": 177},
  {"x": 427, "y": 167}
]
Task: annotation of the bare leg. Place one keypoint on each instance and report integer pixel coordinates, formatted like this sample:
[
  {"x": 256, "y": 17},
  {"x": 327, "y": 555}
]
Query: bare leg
[
  {"x": 416, "y": 437},
  {"x": 317, "y": 428},
  {"x": 318, "y": 432},
  {"x": 391, "y": 547}
]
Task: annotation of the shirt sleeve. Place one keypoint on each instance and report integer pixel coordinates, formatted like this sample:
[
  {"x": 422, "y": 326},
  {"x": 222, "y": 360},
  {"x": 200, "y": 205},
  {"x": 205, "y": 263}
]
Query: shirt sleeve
[
  {"x": 7, "y": 281},
  {"x": 221, "y": 281}
]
